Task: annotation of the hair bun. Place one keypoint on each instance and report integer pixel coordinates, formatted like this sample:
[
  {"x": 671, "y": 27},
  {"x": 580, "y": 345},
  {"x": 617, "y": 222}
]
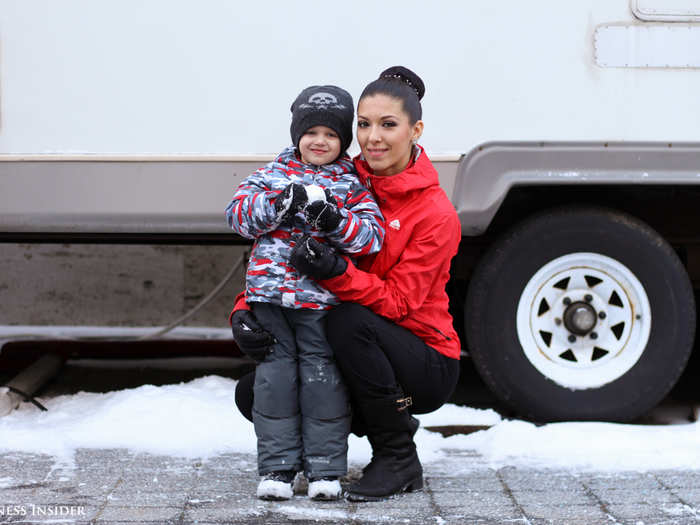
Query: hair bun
[{"x": 407, "y": 76}]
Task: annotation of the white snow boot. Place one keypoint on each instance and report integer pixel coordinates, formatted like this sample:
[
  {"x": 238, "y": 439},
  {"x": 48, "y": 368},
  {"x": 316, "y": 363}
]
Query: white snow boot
[
  {"x": 276, "y": 486},
  {"x": 326, "y": 489}
]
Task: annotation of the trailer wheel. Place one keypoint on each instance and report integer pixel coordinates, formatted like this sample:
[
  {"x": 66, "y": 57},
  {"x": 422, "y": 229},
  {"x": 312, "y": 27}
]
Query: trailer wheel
[{"x": 580, "y": 314}]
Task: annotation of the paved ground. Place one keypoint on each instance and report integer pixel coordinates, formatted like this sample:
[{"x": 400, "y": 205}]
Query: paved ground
[{"x": 115, "y": 486}]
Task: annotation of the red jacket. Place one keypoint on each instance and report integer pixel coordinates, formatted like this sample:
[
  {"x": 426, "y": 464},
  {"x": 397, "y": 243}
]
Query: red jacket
[{"x": 405, "y": 282}]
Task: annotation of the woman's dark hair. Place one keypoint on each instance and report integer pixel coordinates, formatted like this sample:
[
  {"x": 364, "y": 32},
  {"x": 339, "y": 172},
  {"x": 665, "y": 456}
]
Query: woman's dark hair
[{"x": 400, "y": 83}]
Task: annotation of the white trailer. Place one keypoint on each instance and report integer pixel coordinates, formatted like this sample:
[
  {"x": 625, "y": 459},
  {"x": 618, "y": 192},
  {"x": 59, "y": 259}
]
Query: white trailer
[{"x": 566, "y": 134}]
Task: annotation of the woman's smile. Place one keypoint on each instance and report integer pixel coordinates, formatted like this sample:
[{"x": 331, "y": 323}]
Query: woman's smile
[{"x": 376, "y": 152}]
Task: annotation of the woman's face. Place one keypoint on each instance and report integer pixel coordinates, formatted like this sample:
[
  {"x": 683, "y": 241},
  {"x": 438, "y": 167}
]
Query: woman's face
[{"x": 385, "y": 134}]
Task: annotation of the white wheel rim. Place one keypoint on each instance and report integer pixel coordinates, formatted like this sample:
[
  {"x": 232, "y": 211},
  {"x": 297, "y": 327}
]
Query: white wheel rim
[{"x": 622, "y": 321}]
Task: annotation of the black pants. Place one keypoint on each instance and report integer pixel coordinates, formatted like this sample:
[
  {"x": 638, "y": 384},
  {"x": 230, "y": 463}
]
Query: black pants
[{"x": 374, "y": 355}]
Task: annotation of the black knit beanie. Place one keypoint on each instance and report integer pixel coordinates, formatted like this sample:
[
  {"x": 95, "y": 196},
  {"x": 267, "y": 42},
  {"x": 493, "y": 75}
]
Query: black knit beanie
[{"x": 328, "y": 106}]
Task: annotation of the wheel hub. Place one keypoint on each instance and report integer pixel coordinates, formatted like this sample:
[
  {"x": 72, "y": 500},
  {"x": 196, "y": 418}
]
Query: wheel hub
[
  {"x": 583, "y": 320},
  {"x": 580, "y": 318}
]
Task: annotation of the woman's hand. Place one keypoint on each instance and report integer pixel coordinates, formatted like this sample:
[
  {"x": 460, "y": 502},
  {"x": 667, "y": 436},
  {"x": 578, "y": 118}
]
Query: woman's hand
[
  {"x": 316, "y": 260},
  {"x": 253, "y": 340}
]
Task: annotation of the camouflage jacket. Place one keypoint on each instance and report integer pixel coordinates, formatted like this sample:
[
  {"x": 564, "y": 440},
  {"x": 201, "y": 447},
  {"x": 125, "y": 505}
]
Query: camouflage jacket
[{"x": 251, "y": 213}]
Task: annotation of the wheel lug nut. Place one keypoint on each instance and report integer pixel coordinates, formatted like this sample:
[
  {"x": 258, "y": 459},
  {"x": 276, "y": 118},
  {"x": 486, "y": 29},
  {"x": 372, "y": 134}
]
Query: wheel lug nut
[
  {"x": 566, "y": 301},
  {"x": 602, "y": 315},
  {"x": 594, "y": 335},
  {"x": 588, "y": 298},
  {"x": 557, "y": 321},
  {"x": 572, "y": 338}
]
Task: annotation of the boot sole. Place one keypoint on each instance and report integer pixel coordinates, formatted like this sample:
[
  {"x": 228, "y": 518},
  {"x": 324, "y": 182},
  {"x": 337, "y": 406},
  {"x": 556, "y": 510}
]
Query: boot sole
[{"x": 411, "y": 486}]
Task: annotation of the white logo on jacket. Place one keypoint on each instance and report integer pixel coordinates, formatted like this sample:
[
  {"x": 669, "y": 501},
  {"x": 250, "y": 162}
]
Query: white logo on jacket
[{"x": 395, "y": 224}]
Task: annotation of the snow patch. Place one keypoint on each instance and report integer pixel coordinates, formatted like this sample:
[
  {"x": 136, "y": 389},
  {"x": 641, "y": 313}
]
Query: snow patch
[
  {"x": 193, "y": 420},
  {"x": 459, "y": 415},
  {"x": 198, "y": 419},
  {"x": 316, "y": 514},
  {"x": 587, "y": 446}
]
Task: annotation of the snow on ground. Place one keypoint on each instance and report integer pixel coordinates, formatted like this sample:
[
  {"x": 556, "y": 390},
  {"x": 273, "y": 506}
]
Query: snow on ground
[{"x": 198, "y": 419}]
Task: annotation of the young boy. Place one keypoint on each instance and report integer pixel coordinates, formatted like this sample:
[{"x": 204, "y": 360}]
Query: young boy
[{"x": 300, "y": 409}]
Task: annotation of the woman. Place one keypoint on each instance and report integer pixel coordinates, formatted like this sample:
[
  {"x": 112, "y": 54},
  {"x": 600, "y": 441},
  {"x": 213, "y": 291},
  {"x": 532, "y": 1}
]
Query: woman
[{"x": 392, "y": 337}]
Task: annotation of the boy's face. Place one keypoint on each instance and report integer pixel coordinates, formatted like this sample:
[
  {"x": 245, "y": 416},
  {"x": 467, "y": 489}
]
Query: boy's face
[{"x": 319, "y": 145}]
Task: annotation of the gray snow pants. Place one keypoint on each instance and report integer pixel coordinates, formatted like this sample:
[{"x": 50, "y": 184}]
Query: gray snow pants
[{"x": 301, "y": 410}]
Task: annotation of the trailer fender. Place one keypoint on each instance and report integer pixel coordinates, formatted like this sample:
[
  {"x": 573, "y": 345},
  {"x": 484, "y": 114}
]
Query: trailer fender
[{"x": 489, "y": 171}]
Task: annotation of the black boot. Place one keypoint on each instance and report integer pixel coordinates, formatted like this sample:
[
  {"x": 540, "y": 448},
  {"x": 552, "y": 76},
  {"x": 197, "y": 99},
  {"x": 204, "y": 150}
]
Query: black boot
[
  {"x": 413, "y": 423},
  {"x": 395, "y": 466}
]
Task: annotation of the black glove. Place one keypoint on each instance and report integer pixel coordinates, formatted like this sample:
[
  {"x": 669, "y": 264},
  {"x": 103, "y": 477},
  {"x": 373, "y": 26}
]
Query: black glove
[
  {"x": 253, "y": 340},
  {"x": 292, "y": 199},
  {"x": 316, "y": 260},
  {"x": 324, "y": 216}
]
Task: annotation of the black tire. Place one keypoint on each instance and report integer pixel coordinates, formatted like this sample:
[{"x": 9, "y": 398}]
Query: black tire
[{"x": 501, "y": 277}]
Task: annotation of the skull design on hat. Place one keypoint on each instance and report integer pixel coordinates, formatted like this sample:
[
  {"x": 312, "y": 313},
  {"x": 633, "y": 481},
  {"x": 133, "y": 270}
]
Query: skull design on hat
[{"x": 322, "y": 100}]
